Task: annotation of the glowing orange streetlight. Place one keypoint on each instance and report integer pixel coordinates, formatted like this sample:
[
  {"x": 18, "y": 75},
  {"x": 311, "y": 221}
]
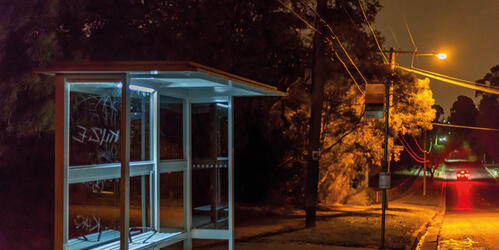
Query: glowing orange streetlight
[{"x": 441, "y": 56}]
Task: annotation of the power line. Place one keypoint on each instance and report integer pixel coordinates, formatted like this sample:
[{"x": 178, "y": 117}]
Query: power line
[
  {"x": 395, "y": 37},
  {"x": 461, "y": 126},
  {"x": 410, "y": 34},
  {"x": 350, "y": 74},
  {"x": 300, "y": 17},
  {"x": 412, "y": 40},
  {"x": 336, "y": 54},
  {"x": 417, "y": 144},
  {"x": 451, "y": 81},
  {"x": 410, "y": 148},
  {"x": 372, "y": 31},
  {"x": 335, "y": 37},
  {"x": 420, "y": 161},
  {"x": 454, "y": 78}
]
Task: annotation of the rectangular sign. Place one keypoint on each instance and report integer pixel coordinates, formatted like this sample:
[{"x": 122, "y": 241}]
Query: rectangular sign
[
  {"x": 384, "y": 180},
  {"x": 374, "y": 101}
]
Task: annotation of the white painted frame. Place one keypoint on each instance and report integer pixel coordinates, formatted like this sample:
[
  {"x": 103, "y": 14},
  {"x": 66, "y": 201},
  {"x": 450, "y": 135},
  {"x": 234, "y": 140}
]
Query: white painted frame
[{"x": 154, "y": 167}]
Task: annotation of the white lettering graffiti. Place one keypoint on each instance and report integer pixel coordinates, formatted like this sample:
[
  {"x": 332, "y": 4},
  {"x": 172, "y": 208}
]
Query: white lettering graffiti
[
  {"x": 87, "y": 223},
  {"x": 97, "y": 135}
]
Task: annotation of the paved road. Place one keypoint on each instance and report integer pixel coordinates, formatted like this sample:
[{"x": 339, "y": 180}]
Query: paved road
[{"x": 472, "y": 210}]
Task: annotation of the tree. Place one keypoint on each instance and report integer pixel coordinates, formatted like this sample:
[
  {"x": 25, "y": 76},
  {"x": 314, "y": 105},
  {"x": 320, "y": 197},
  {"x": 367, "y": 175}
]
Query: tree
[
  {"x": 487, "y": 116},
  {"x": 351, "y": 150},
  {"x": 462, "y": 112},
  {"x": 439, "y": 112},
  {"x": 236, "y": 36}
]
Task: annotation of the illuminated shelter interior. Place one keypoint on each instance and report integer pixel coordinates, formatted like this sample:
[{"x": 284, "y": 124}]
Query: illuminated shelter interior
[{"x": 144, "y": 153}]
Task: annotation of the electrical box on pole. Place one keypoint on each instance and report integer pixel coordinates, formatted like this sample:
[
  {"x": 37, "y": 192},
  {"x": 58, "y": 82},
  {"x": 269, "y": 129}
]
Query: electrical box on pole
[{"x": 374, "y": 100}]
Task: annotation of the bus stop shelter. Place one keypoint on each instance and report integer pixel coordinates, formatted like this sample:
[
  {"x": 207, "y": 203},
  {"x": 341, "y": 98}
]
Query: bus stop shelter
[{"x": 144, "y": 153}]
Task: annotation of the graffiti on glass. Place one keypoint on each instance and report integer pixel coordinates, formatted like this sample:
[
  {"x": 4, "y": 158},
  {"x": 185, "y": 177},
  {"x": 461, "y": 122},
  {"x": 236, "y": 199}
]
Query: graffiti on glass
[{"x": 96, "y": 135}]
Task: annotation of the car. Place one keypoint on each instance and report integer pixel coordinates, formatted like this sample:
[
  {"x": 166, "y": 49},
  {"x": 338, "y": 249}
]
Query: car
[{"x": 463, "y": 175}]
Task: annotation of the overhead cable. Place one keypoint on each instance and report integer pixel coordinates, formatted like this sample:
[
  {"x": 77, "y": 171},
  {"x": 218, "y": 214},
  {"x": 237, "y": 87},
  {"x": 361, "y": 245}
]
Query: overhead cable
[
  {"x": 410, "y": 34},
  {"x": 412, "y": 40},
  {"x": 451, "y": 81},
  {"x": 417, "y": 144},
  {"x": 372, "y": 31},
  {"x": 454, "y": 78},
  {"x": 349, "y": 73},
  {"x": 461, "y": 126},
  {"x": 410, "y": 149},
  {"x": 334, "y": 37},
  {"x": 336, "y": 54},
  {"x": 427, "y": 161}
]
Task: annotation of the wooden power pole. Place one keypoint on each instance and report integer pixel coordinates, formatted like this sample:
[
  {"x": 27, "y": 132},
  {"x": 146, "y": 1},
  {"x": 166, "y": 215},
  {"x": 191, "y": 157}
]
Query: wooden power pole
[{"x": 319, "y": 75}]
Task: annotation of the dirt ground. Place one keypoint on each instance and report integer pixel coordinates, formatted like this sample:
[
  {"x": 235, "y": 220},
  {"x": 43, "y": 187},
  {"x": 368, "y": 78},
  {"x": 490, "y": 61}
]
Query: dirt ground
[{"x": 338, "y": 227}]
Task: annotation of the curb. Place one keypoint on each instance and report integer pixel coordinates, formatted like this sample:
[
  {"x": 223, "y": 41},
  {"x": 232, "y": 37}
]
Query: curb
[
  {"x": 428, "y": 235},
  {"x": 420, "y": 234}
]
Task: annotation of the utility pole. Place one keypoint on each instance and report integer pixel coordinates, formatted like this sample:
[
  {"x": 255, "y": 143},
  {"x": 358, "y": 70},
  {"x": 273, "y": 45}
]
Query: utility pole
[
  {"x": 319, "y": 73},
  {"x": 424, "y": 165},
  {"x": 385, "y": 175}
]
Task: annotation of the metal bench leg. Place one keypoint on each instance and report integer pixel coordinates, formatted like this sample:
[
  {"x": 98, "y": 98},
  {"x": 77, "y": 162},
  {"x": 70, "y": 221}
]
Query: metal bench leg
[
  {"x": 149, "y": 237},
  {"x": 188, "y": 244}
]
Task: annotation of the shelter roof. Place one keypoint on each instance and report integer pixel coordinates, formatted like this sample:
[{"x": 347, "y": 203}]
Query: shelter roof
[{"x": 187, "y": 78}]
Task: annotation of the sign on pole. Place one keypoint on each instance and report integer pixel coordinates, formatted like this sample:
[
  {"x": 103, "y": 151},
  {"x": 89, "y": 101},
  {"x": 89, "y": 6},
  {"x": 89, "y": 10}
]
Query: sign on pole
[
  {"x": 384, "y": 180},
  {"x": 374, "y": 100}
]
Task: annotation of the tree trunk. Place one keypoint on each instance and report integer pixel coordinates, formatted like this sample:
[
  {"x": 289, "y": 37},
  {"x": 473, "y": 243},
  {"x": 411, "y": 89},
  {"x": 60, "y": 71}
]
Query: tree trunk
[{"x": 319, "y": 74}]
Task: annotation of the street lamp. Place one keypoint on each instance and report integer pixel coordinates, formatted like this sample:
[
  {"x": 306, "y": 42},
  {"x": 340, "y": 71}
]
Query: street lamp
[{"x": 441, "y": 56}]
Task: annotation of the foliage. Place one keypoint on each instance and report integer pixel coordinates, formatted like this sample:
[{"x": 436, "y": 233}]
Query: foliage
[
  {"x": 462, "y": 112},
  {"x": 352, "y": 145},
  {"x": 229, "y": 35},
  {"x": 488, "y": 117},
  {"x": 256, "y": 39}
]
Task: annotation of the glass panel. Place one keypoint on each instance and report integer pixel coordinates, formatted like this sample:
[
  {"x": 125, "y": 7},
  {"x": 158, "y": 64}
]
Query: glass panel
[
  {"x": 95, "y": 118},
  {"x": 95, "y": 121},
  {"x": 94, "y": 127},
  {"x": 94, "y": 211},
  {"x": 140, "y": 116},
  {"x": 209, "y": 165},
  {"x": 172, "y": 202},
  {"x": 171, "y": 128},
  {"x": 140, "y": 204}
]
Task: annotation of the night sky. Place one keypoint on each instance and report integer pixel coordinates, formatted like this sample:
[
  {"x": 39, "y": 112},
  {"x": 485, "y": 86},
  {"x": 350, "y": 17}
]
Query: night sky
[{"x": 467, "y": 30}]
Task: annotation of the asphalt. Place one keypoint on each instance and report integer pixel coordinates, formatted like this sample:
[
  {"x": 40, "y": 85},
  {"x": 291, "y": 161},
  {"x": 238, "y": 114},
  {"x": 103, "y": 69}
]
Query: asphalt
[{"x": 471, "y": 218}]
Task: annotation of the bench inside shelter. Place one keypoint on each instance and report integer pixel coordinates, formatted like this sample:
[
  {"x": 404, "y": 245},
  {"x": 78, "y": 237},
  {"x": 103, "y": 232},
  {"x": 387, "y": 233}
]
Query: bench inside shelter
[{"x": 109, "y": 239}]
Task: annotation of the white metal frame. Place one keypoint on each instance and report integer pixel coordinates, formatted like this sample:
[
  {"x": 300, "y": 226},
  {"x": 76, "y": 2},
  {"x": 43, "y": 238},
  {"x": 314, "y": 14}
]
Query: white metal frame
[{"x": 66, "y": 175}]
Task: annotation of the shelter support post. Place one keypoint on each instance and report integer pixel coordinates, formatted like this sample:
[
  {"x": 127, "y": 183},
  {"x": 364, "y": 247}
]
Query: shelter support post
[
  {"x": 231, "y": 171},
  {"x": 125, "y": 166},
  {"x": 61, "y": 162},
  {"x": 187, "y": 174},
  {"x": 155, "y": 175},
  {"x": 143, "y": 203}
]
